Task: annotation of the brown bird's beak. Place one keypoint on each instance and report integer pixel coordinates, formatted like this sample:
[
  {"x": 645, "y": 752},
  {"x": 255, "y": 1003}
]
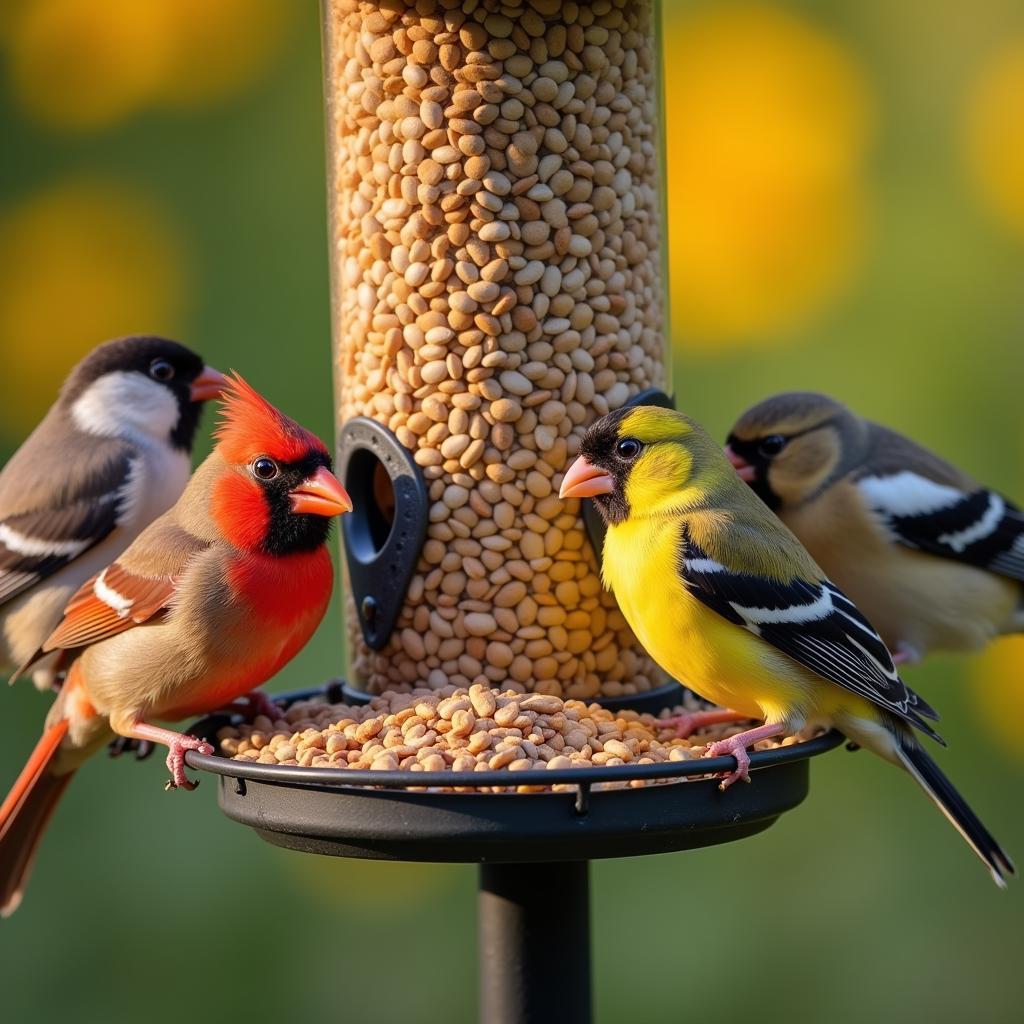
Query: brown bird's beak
[
  {"x": 584, "y": 480},
  {"x": 321, "y": 495},
  {"x": 744, "y": 470},
  {"x": 209, "y": 384}
]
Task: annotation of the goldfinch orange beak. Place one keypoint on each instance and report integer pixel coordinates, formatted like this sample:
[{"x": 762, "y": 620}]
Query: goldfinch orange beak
[
  {"x": 209, "y": 384},
  {"x": 584, "y": 480},
  {"x": 321, "y": 495},
  {"x": 744, "y": 470}
]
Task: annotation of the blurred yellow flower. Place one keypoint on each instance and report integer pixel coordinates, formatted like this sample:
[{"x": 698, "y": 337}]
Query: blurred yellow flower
[
  {"x": 10, "y": 11},
  {"x": 997, "y": 676},
  {"x": 83, "y": 65},
  {"x": 79, "y": 263},
  {"x": 222, "y": 46},
  {"x": 768, "y": 120},
  {"x": 994, "y": 129}
]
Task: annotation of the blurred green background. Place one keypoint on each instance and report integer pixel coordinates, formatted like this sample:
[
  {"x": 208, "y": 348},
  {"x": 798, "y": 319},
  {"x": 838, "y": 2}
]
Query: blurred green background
[{"x": 847, "y": 214}]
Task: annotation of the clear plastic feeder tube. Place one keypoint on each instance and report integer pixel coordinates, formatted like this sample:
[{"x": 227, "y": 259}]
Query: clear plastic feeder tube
[{"x": 497, "y": 272}]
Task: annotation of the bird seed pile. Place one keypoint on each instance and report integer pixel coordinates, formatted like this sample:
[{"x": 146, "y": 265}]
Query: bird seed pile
[
  {"x": 469, "y": 731},
  {"x": 497, "y": 287}
]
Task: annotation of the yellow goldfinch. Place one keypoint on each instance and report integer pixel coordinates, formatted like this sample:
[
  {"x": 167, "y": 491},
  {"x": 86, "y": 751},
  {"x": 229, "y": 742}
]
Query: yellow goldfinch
[
  {"x": 723, "y": 596},
  {"x": 933, "y": 558}
]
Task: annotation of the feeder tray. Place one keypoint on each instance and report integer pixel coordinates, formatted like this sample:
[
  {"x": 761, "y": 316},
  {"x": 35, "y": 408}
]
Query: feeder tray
[
  {"x": 533, "y": 847},
  {"x": 386, "y": 815}
]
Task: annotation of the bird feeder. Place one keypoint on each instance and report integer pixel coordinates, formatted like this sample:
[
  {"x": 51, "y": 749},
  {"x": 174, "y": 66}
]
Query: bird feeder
[{"x": 498, "y": 283}]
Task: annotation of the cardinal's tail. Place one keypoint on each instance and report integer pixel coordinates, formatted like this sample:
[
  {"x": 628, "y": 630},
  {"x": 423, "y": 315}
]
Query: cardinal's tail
[{"x": 25, "y": 813}]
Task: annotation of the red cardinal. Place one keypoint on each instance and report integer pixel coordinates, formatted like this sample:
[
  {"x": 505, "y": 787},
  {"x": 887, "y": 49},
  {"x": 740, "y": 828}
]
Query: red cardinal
[{"x": 210, "y": 601}]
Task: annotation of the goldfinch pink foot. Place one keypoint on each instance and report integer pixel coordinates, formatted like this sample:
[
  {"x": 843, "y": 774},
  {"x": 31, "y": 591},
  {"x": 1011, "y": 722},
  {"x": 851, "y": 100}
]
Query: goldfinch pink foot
[
  {"x": 736, "y": 746},
  {"x": 689, "y": 722}
]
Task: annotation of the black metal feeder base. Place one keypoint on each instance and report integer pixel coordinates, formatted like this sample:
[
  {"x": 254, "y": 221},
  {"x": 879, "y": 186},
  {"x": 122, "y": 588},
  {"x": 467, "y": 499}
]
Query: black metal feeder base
[{"x": 533, "y": 847}]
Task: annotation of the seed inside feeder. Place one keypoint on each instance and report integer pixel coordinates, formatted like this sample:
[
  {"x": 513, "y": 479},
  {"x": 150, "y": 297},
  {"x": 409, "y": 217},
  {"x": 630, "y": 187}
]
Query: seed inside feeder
[
  {"x": 497, "y": 281},
  {"x": 470, "y": 731}
]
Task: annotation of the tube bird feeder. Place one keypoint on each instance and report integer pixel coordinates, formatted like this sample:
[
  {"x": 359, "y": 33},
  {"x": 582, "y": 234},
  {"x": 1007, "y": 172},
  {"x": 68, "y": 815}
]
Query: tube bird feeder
[
  {"x": 498, "y": 283},
  {"x": 497, "y": 267}
]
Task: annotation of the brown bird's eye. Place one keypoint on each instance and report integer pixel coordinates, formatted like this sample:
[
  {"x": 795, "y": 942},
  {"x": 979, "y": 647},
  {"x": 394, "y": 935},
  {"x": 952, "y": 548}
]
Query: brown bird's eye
[
  {"x": 161, "y": 370},
  {"x": 628, "y": 448},
  {"x": 264, "y": 468},
  {"x": 771, "y": 445}
]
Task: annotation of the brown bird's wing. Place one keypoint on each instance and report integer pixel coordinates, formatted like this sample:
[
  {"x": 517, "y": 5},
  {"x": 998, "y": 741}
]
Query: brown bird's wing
[
  {"x": 137, "y": 588},
  {"x": 60, "y": 494},
  {"x": 924, "y": 503}
]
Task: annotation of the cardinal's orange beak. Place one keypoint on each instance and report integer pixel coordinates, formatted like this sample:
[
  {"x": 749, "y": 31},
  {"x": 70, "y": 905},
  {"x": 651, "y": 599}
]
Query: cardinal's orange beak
[
  {"x": 584, "y": 480},
  {"x": 209, "y": 384},
  {"x": 321, "y": 495},
  {"x": 744, "y": 470}
]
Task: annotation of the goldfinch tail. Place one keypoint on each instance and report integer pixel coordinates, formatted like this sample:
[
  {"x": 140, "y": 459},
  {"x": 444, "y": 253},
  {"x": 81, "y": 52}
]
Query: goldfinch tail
[{"x": 929, "y": 776}]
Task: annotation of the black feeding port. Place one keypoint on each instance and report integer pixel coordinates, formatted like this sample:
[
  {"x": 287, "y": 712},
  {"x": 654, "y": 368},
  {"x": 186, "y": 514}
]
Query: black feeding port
[
  {"x": 384, "y": 533},
  {"x": 368, "y": 476}
]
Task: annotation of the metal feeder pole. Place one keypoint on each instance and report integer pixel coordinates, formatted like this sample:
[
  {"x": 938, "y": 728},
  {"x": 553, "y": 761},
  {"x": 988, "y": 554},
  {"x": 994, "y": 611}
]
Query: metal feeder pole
[{"x": 534, "y": 943}]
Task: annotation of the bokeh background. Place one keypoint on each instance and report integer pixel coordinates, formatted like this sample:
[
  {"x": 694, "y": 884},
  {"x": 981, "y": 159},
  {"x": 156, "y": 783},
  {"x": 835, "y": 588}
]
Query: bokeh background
[{"x": 847, "y": 214}]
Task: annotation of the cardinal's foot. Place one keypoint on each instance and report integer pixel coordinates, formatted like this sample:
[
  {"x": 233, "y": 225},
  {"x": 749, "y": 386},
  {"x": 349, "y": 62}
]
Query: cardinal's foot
[
  {"x": 256, "y": 703},
  {"x": 126, "y": 745},
  {"x": 176, "y": 760}
]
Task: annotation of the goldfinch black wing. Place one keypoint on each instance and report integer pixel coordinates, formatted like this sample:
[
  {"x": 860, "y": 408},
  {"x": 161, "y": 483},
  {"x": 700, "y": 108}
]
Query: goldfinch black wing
[
  {"x": 82, "y": 510},
  {"x": 813, "y": 623},
  {"x": 976, "y": 526}
]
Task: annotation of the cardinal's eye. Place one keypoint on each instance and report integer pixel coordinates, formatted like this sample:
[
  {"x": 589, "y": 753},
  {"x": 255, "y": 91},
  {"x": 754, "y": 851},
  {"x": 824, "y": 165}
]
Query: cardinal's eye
[
  {"x": 264, "y": 468},
  {"x": 628, "y": 448},
  {"x": 771, "y": 445},
  {"x": 161, "y": 370}
]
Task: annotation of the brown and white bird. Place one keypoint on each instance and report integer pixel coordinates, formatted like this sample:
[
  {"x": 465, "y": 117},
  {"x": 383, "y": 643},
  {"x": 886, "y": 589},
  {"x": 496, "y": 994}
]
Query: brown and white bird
[
  {"x": 111, "y": 455},
  {"x": 933, "y": 558},
  {"x": 209, "y": 602}
]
